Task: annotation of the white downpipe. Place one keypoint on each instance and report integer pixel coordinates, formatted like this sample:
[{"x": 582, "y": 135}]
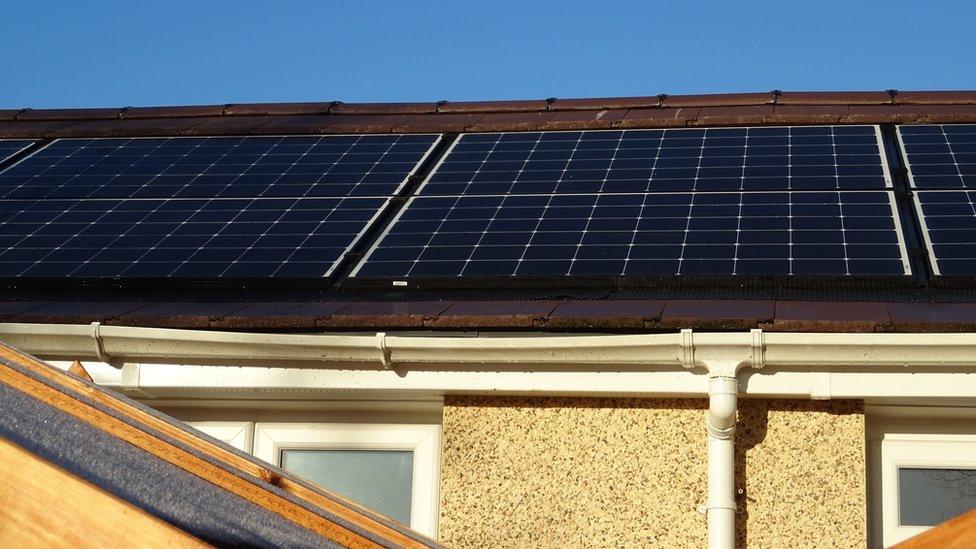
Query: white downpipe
[{"x": 721, "y": 506}]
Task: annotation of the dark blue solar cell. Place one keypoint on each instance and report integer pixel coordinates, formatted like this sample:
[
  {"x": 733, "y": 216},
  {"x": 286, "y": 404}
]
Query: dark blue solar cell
[
  {"x": 10, "y": 147},
  {"x": 207, "y": 167},
  {"x": 740, "y": 233},
  {"x": 949, "y": 229},
  {"x": 180, "y": 238},
  {"x": 940, "y": 156},
  {"x": 674, "y": 160}
]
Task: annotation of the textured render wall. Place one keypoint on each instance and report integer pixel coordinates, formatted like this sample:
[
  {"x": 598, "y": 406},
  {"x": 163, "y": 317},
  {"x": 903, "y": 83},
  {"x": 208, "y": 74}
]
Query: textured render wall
[{"x": 589, "y": 472}]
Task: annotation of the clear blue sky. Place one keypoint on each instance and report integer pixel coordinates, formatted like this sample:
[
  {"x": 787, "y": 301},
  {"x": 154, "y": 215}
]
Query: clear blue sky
[{"x": 117, "y": 53}]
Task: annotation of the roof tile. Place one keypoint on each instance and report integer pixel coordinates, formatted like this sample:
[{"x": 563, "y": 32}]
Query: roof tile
[
  {"x": 637, "y": 118},
  {"x": 494, "y": 106},
  {"x": 808, "y": 114},
  {"x": 735, "y": 115},
  {"x": 173, "y": 112},
  {"x": 423, "y": 123},
  {"x": 286, "y": 124},
  {"x": 7, "y": 115},
  {"x": 78, "y": 312},
  {"x": 717, "y": 314},
  {"x": 607, "y": 103},
  {"x": 718, "y": 100},
  {"x": 936, "y": 98},
  {"x": 830, "y": 316},
  {"x": 605, "y": 314},
  {"x": 834, "y": 98},
  {"x": 278, "y": 109},
  {"x": 585, "y": 120},
  {"x": 513, "y": 122},
  {"x": 127, "y": 128},
  {"x": 406, "y": 314},
  {"x": 278, "y": 315},
  {"x": 384, "y": 108},
  {"x": 12, "y": 308},
  {"x": 926, "y": 317},
  {"x": 366, "y": 123},
  {"x": 229, "y": 125},
  {"x": 17, "y": 130},
  {"x": 179, "y": 315},
  {"x": 495, "y": 314},
  {"x": 68, "y": 114}
]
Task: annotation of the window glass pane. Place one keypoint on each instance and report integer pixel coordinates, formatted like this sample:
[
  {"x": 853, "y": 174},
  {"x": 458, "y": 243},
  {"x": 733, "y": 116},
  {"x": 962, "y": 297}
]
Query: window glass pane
[
  {"x": 930, "y": 496},
  {"x": 379, "y": 479}
]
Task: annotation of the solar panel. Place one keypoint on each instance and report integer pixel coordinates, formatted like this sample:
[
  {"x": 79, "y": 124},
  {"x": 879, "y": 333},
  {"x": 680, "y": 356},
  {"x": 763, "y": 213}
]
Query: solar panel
[
  {"x": 225, "y": 167},
  {"x": 182, "y": 238},
  {"x": 10, "y": 147},
  {"x": 670, "y": 160},
  {"x": 948, "y": 221},
  {"x": 940, "y": 156},
  {"x": 643, "y": 234}
]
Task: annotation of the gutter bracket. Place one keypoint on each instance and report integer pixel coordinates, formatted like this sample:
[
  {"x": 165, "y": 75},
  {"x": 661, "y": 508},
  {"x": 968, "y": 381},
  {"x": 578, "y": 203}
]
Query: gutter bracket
[
  {"x": 386, "y": 354},
  {"x": 100, "y": 346},
  {"x": 687, "y": 349},
  {"x": 758, "y": 349}
]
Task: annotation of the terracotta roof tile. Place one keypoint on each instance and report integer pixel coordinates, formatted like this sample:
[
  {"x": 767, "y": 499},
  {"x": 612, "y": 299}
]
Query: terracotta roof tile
[
  {"x": 495, "y": 314},
  {"x": 494, "y": 106},
  {"x": 637, "y": 118},
  {"x": 717, "y": 314},
  {"x": 806, "y": 114},
  {"x": 68, "y": 114},
  {"x": 127, "y": 128},
  {"x": 936, "y": 98},
  {"x": 10, "y": 309},
  {"x": 607, "y": 103},
  {"x": 384, "y": 108},
  {"x": 833, "y": 98},
  {"x": 277, "y": 109},
  {"x": 16, "y": 130},
  {"x": 78, "y": 312},
  {"x": 366, "y": 123},
  {"x": 409, "y": 314},
  {"x": 9, "y": 114},
  {"x": 520, "y": 121},
  {"x": 277, "y": 315},
  {"x": 585, "y": 120},
  {"x": 297, "y": 124},
  {"x": 229, "y": 125},
  {"x": 718, "y": 100},
  {"x": 831, "y": 316},
  {"x": 918, "y": 317},
  {"x": 733, "y": 116},
  {"x": 173, "y": 112},
  {"x": 605, "y": 314},
  {"x": 423, "y": 123},
  {"x": 179, "y": 315}
]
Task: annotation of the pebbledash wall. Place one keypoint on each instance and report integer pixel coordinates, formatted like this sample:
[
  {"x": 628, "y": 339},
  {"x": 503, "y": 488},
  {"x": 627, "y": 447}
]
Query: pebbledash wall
[{"x": 622, "y": 472}]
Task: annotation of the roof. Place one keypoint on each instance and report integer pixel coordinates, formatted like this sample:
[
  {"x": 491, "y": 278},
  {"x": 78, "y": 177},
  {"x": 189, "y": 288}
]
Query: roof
[
  {"x": 736, "y": 109},
  {"x": 703, "y": 306},
  {"x": 127, "y": 471}
]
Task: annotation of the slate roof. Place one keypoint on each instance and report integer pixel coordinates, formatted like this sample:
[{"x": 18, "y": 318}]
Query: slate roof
[
  {"x": 201, "y": 486},
  {"x": 255, "y": 307}
]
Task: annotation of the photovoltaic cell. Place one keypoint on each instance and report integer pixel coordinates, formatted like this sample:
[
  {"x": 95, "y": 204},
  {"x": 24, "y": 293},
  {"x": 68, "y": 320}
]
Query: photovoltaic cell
[
  {"x": 949, "y": 226},
  {"x": 670, "y": 160},
  {"x": 940, "y": 156},
  {"x": 643, "y": 234},
  {"x": 224, "y": 167},
  {"x": 10, "y": 147},
  {"x": 183, "y": 238}
]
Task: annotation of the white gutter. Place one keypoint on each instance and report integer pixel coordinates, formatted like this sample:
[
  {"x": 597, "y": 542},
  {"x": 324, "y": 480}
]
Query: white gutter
[{"x": 827, "y": 366}]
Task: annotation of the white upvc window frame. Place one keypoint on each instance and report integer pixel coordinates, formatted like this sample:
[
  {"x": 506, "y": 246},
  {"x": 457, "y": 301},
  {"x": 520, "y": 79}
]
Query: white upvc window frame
[
  {"x": 239, "y": 434},
  {"x": 917, "y": 450},
  {"x": 421, "y": 439}
]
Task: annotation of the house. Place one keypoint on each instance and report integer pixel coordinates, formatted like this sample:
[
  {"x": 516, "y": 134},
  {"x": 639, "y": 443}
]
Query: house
[{"x": 651, "y": 321}]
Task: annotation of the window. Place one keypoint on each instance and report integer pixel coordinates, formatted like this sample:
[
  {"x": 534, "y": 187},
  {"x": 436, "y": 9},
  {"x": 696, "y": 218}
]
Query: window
[
  {"x": 393, "y": 469},
  {"x": 924, "y": 474}
]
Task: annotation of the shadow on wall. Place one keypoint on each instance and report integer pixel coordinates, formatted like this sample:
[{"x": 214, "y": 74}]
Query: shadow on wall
[{"x": 749, "y": 433}]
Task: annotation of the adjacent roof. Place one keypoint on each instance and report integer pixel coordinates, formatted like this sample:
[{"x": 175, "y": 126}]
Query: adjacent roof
[
  {"x": 580, "y": 309},
  {"x": 126, "y": 472}
]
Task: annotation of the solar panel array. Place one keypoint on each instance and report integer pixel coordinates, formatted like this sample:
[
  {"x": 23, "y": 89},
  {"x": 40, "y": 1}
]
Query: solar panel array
[
  {"x": 941, "y": 161},
  {"x": 239, "y": 207},
  {"x": 10, "y": 147},
  {"x": 729, "y": 201}
]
